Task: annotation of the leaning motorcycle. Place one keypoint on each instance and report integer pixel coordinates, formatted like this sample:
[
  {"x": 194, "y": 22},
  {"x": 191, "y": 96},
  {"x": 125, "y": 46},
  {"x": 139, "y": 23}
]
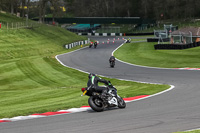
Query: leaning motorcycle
[
  {"x": 112, "y": 99},
  {"x": 128, "y": 40}
]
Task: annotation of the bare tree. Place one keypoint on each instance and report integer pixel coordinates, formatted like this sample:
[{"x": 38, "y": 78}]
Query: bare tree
[{"x": 42, "y": 6}]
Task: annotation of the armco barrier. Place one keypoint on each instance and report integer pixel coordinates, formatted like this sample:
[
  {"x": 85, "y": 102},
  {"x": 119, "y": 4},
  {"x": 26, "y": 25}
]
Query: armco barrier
[{"x": 71, "y": 45}]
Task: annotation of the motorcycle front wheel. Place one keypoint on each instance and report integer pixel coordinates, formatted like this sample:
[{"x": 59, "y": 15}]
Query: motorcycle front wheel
[
  {"x": 112, "y": 64},
  {"x": 96, "y": 104},
  {"x": 121, "y": 103}
]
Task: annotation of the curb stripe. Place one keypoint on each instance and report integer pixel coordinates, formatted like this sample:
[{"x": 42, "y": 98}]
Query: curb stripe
[
  {"x": 69, "y": 111},
  {"x": 52, "y": 113},
  {"x": 85, "y": 107},
  {"x": 1, "y": 121},
  {"x": 134, "y": 98},
  {"x": 187, "y": 68}
]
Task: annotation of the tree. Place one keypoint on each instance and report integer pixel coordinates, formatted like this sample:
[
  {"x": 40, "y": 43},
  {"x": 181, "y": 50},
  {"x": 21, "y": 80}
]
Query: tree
[
  {"x": 171, "y": 9},
  {"x": 42, "y": 6}
]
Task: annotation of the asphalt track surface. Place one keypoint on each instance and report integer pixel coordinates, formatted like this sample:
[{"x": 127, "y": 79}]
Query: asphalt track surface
[{"x": 175, "y": 110}]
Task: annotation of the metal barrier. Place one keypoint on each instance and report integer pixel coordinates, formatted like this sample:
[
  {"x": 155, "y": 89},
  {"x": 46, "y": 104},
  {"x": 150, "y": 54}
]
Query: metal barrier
[
  {"x": 100, "y": 34},
  {"x": 74, "y": 44}
]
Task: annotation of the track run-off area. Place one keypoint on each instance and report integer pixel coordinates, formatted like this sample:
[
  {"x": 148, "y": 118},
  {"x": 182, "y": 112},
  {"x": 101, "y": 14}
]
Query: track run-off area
[{"x": 171, "y": 111}]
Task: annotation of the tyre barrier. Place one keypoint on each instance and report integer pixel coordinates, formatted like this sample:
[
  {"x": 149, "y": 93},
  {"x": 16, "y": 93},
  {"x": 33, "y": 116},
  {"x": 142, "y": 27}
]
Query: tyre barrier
[
  {"x": 71, "y": 45},
  {"x": 115, "y": 34},
  {"x": 176, "y": 46},
  {"x": 157, "y": 39},
  {"x": 100, "y": 34},
  {"x": 139, "y": 34}
]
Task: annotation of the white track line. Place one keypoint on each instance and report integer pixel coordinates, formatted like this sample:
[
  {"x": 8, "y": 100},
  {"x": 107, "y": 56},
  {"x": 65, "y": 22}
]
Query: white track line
[{"x": 171, "y": 86}]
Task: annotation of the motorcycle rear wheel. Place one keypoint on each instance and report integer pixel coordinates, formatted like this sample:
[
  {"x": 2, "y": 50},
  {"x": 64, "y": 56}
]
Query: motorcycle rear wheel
[{"x": 96, "y": 104}]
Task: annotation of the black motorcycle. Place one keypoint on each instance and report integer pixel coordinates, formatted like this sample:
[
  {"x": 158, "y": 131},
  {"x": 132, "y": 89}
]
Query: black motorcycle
[
  {"x": 95, "y": 44},
  {"x": 112, "y": 99},
  {"x": 112, "y": 62}
]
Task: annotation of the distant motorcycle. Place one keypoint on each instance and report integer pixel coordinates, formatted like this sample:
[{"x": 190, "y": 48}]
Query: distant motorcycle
[
  {"x": 128, "y": 40},
  {"x": 98, "y": 104},
  {"x": 90, "y": 44},
  {"x": 95, "y": 44},
  {"x": 112, "y": 62}
]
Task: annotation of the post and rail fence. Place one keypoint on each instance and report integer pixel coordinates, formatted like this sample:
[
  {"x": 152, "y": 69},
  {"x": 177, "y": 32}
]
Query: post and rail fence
[{"x": 18, "y": 25}]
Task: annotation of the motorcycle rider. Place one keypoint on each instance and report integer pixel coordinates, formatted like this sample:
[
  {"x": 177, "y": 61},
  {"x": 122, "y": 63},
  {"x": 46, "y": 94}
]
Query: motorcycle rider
[
  {"x": 91, "y": 43},
  {"x": 128, "y": 40},
  {"x": 93, "y": 82},
  {"x": 112, "y": 57},
  {"x": 95, "y": 44}
]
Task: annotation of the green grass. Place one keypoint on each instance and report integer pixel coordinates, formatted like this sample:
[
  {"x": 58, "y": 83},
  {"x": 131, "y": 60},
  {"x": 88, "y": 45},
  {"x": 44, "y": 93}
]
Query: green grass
[
  {"x": 6, "y": 17},
  {"x": 33, "y": 81},
  {"x": 36, "y": 85},
  {"x": 195, "y": 131},
  {"x": 144, "y": 54},
  {"x": 42, "y": 85}
]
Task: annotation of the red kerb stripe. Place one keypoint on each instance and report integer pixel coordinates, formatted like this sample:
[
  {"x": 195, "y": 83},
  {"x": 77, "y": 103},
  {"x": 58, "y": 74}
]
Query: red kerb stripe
[
  {"x": 85, "y": 106},
  {"x": 4, "y": 121},
  {"x": 52, "y": 113},
  {"x": 134, "y": 98}
]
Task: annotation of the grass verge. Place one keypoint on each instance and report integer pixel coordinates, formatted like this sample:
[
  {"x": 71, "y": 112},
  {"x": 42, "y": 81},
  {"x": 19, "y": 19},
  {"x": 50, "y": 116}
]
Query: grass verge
[
  {"x": 143, "y": 53},
  {"x": 195, "y": 131}
]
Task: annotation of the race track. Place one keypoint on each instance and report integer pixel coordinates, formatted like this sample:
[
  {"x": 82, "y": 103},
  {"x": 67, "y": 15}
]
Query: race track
[{"x": 175, "y": 110}]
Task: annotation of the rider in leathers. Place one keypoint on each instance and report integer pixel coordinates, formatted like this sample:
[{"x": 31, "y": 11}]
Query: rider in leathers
[
  {"x": 93, "y": 81},
  {"x": 112, "y": 58}
]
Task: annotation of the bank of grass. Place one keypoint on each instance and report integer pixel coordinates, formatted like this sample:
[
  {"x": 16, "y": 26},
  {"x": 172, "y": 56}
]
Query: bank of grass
[
  {"x": 41, "y": 84},
  {"x": 33, "y": 81},
  {"x": 143, "y": 53}
]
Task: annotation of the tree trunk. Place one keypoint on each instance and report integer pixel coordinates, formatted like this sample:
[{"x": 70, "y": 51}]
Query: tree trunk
[{"x": 12, "y": 6}]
